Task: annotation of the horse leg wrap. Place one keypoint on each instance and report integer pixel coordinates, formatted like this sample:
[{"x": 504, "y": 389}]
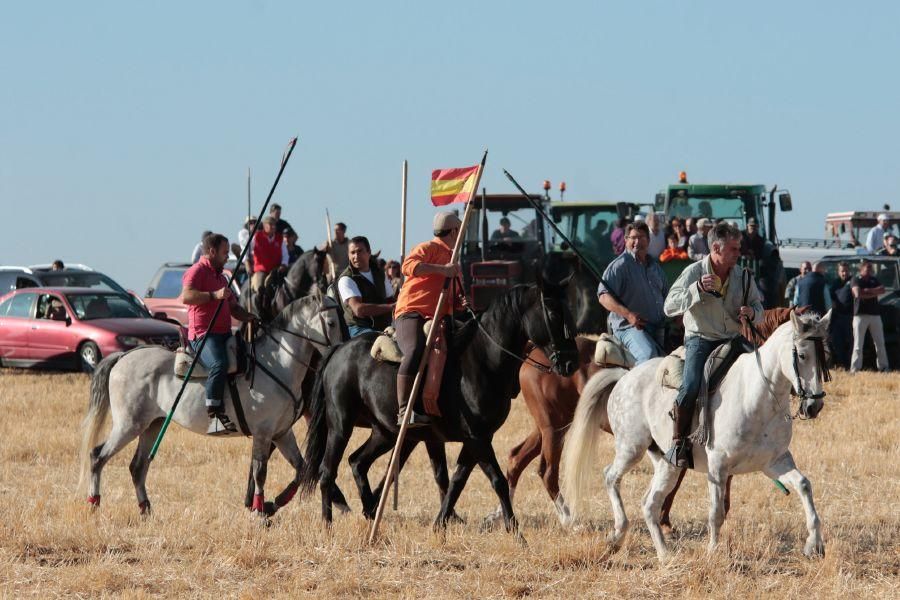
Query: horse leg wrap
[
  {"x": 94, "y": 500},
  {"x": 287, "y": 495},
  {"x": 258, "y": 503}
]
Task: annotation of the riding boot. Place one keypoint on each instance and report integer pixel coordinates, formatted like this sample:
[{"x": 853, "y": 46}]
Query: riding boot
[
  {"x": 219, "y": 423},
  {"x": 404, "y": 387},
  {"x": 680, "y": 454}
]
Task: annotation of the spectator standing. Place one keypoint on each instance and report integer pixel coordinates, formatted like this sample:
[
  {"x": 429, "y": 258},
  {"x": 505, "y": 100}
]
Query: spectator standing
[
  {"x": 890, "y": 246},
  {"x": 677, "y": 227},
  {"x": 840, "y": 330},
  {"x": 657, "y": 235},
  {"x": 280, "y": 224},
  {"x": 698, "y": 246},
  {"x": 812, "y": 290},
  {"x": 673, "y": 251},
  {"x": 339, "y": 248},
  {"x": 791, "y": 287},
  {"x": 243, "y": 238},
  {"x": 269, "y": 252},
  {"x": 867, "y": 317},
  {"x": 290, "y": 241},
  {"x": 875, "y": 238},
  {"x": 690, "y": 226},
  {"x": 617, "y": 237},
  {"x": 752, "y": 244},
  {"x": 198, "y": 249},
  {"x": 395, "y": 276}
]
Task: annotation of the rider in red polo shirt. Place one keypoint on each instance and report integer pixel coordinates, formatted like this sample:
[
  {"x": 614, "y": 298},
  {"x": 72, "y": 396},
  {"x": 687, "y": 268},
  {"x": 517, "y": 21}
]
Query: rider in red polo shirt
[
  {"x": 203, "y": 286},
  {"x": 269, "y": 252}
]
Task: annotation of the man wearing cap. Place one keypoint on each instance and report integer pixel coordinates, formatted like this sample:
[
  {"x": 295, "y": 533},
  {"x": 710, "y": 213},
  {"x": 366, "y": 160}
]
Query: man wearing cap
[
  {"x": 366, "y": 293},
  {"x": 698, "y": 247},
  {"x": 633, "y": 290},
  {"x": 875, "y": 238},
  {"x": 269, "y": 252},
  {"x": 752, "y": 244},
  {"x": 425, "y": 269}
]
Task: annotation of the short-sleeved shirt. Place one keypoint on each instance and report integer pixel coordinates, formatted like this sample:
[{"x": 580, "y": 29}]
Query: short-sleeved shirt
[
  {"x": 347, "y": 288},
  {"x": 867, "y": 306},
  {"x": 420, "y": 293},
  {"x": 641, "y": 288},
  {"x": 204, "y": 278}
]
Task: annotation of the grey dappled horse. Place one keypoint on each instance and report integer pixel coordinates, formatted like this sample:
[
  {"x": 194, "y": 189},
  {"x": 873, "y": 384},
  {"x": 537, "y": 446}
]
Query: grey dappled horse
[
  {"x": 138, "y": 388},
  {"x": 749, "y": 428}
]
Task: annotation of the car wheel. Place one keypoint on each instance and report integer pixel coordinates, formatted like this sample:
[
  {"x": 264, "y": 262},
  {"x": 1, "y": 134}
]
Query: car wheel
[{"x": 89, "y": 356}]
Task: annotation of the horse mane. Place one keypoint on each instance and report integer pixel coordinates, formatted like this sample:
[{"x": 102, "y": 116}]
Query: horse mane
[
  {"x": 288, "y": 313},
  {"x": 809, "y": 324}
]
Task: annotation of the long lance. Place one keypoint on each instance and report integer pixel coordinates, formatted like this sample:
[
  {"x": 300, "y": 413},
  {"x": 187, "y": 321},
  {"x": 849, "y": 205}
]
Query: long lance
[
  {"x": 187, "y": 376},
  {"x": 403, "y": 187},
  {"x": 584, "y": 259},
  {"x": 329, "y": 246},
  {"x": 429, "y": 341}
]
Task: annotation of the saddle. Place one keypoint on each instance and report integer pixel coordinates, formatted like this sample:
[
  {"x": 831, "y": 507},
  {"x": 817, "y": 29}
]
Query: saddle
[
  {"x": 670, "y": 372},
  {"x": 385, "y": 349},
  {"x": 236, "y": 360},
  {"x": 611, "y": 352}
]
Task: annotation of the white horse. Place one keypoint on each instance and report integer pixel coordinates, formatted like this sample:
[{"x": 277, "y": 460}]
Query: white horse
[
  {"x": 138, "y": 388},
  {"x": 749, "y": 428}
]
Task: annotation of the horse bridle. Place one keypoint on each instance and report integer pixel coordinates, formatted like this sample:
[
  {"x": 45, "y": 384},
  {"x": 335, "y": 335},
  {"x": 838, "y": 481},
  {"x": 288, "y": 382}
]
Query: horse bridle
[
  {"x": 821, "y": 367},
  {"x": 554, "y": 348},
  {"x": 526, "y": 359}
]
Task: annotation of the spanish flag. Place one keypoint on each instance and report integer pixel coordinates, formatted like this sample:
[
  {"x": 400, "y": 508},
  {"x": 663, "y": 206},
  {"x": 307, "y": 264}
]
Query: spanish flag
[{"x": 453, "y": 185}]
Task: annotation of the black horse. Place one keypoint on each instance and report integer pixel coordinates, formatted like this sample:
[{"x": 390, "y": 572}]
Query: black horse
[
  {"x": 480, "y": 380},
  {"x": 307, "y": 273}
]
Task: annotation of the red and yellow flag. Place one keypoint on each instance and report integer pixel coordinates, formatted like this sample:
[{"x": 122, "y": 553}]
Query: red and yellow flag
[{"x": 453, "y": 185}]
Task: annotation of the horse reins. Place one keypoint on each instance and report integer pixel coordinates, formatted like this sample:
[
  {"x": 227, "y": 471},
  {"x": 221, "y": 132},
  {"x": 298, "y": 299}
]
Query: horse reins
[{"x": 525, "y": 360}]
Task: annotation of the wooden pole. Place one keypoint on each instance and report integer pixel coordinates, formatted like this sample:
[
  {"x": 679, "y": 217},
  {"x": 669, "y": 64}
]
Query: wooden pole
[
  {"x": 328, "y": 245},
  {"x": 429, "y": 341},
  {"x": 403, "y": 186}
]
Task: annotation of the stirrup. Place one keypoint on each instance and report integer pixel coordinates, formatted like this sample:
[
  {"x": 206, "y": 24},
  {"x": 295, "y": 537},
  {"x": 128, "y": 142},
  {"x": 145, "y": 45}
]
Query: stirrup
[
  {"x": 220, "y": 424},
  {"x": 680, "y": 455},
  {"x": 415, "y": 420}
]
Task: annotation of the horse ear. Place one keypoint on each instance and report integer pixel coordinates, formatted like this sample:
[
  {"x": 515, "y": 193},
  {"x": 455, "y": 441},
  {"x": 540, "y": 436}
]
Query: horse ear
[
  {"x": 795, "y": 322},
  {"x": 825, "y": 321}
]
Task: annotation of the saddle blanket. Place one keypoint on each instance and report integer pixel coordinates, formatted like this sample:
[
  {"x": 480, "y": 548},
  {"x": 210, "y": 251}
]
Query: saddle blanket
[
  {"x": 385, "y": 349},
  {"x": 183, "y": 359}
]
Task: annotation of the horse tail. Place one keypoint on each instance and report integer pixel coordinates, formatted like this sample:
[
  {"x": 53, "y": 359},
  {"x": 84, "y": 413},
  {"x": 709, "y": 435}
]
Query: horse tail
[
  {"x": 98, "y": 408},
  {"x": 317, "y": 431},
  {"x": 581, "y": 445}
]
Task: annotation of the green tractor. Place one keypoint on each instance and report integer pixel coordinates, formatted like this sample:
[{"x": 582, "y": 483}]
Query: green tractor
[{"x": 735, "y": 203}]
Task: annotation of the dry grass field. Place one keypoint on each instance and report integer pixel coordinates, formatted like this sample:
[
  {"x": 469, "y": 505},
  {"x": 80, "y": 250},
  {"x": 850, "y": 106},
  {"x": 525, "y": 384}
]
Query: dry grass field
[{"x": 201, "y": 542}]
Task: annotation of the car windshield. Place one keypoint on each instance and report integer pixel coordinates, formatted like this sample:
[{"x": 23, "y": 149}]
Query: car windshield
[
  {"x": 105, "y": 306},
  {"x": 588, "y": 228},
  {"x": 729, "y": 208},
  {"x": 516, "y": 224},
  {"x": 169, "y": 284},
  {"x": 85, "y": 279},
  {"x": 884, "y": 271}
]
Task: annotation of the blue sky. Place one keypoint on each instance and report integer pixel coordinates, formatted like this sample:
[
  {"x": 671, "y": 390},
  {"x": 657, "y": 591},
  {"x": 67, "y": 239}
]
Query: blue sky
[{"x": 126, "y": 129}]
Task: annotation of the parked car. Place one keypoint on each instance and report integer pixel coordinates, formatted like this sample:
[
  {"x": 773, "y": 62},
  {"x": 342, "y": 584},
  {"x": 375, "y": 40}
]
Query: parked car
[
  {"x": 163, "y": 296},
  {"x": 75, "y": 327}
]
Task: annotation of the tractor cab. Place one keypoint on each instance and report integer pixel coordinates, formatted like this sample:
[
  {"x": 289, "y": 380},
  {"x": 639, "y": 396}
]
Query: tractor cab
[{"x": 504, "y": 246}]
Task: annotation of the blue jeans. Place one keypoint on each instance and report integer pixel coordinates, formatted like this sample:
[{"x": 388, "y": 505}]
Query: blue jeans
[
  {"x": 356, "y": 330},
  {"x": 643, "y": 344},
  {"x": 697, "y": 350},
  {"x": 214, "y": 359}
]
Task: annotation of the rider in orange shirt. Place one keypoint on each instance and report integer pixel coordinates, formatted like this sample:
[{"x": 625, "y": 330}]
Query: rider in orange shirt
[{"x": 425, "y": 269}]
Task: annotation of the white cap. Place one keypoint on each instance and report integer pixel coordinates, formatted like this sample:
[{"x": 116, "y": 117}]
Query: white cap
[{"x": 883, "y": 217}]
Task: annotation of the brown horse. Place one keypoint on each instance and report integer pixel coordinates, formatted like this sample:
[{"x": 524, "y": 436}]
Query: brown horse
[{"x": 551, "y": 399}]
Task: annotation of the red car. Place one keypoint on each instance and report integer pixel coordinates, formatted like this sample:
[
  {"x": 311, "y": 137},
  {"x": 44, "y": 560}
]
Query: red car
[
  {"x": 164, "y": 292},
  {"x": 75, "y": 327}
]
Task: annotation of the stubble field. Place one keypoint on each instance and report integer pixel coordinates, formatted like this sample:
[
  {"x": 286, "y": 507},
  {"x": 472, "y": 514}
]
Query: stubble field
[{"x": 201, "y": 542}]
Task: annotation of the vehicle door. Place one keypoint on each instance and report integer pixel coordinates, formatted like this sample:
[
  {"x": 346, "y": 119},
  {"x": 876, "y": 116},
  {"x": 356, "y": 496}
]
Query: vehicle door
[
  {"x": 15, "y": 324},
  {"x": 50, "y": 336}
]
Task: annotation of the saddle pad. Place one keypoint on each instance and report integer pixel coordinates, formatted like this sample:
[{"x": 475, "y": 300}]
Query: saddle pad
[
  {"x": 385, "y": 348},
  {"x": 183, "y": 361},
  {"x": 611, "y": 352},
  {"x": 670, "y": 372}
]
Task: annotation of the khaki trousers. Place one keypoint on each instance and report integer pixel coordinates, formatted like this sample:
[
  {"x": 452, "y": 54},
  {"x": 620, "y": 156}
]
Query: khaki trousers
[{"x": 872, "y": 324}]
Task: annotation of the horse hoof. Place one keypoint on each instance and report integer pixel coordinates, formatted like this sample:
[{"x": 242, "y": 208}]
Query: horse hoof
[
  {"x": 815, "y": 549},
  {"x": 667, "y": 529},
  {"x": 269, "y": 509},
  {"x": 521, "y": 539},
  {"x": 342, "y": 507},
  {"x": 144, "y": 507},
  {"x": 455, "y": 518}
]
